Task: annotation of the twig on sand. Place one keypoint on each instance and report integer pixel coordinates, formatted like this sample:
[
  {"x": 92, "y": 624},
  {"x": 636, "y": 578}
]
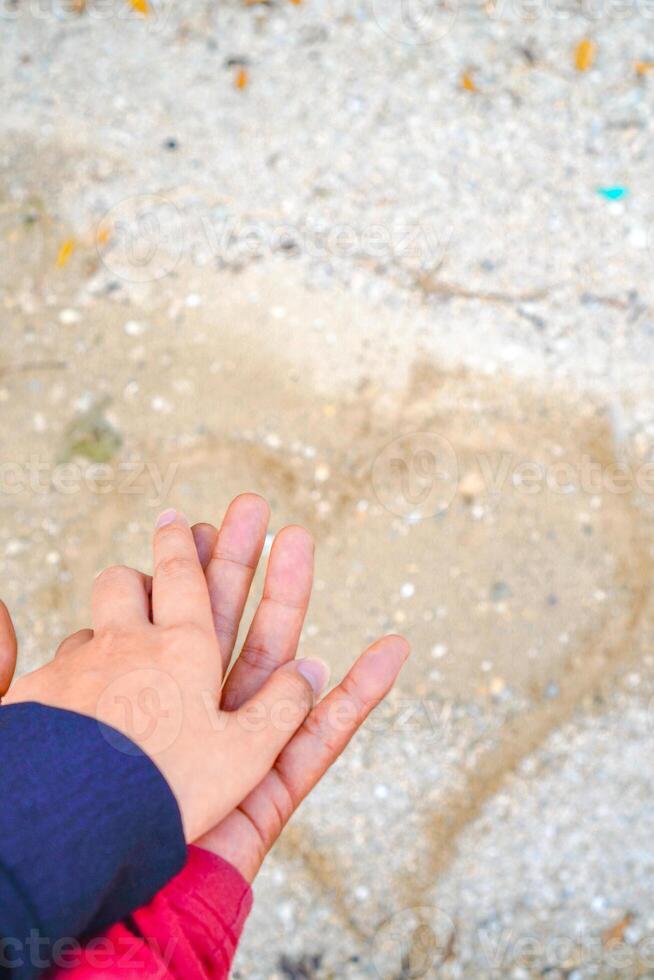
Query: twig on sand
[
  {"x": 28, "y": 366},
  {"x": 433, "y": 287}
]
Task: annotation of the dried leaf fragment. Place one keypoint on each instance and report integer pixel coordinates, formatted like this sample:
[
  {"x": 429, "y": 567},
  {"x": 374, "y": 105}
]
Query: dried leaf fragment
[
  {"x": 102, "y": 235},
  {"x": 585, "y": 55},
  {"x": 66, "y": 249},
  {"x": 614, "y": 936}
]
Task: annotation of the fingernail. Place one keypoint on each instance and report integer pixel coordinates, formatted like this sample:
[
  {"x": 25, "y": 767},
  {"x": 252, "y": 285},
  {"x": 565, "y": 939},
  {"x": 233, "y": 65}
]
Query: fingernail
[
  {"x": 316, "y": 672},
  {"x": 168, "y": 516}
]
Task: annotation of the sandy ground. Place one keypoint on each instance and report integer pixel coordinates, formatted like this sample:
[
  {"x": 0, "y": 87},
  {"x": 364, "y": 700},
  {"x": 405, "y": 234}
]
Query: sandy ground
[{"x": 402, "y": 312}]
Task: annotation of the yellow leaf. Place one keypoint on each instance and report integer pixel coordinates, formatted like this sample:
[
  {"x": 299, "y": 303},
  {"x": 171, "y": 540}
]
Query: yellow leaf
[
  {"x": 141, "y": 6},
  {"x": 584, "y": 55},
  {"x": 241, "y": 78},
  {"x": 65, "y": 251},
  {"x": 643, "y": 67},
  {"x": 467, "y": 82}
]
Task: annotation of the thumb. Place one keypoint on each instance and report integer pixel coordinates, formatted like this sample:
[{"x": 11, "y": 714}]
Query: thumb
[
  {"x": 279, "y": 708},
  {"x": 8, "y": 649}
]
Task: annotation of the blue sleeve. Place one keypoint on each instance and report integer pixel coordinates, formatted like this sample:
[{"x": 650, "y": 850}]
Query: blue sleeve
[{"x": 89, "y": 831}]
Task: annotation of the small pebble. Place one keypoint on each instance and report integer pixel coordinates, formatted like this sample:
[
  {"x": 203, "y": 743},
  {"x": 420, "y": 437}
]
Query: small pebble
[
  {"x": 133, "y": 328},
  {"x": 69, "y": 316},
  {"x": 160, "y": 404},
  {"x": 497, "y": 686},
  {"x": 500, "y": 591}
]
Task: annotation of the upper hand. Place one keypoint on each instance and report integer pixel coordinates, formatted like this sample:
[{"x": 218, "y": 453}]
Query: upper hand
[{"x": 152, "y": 668}]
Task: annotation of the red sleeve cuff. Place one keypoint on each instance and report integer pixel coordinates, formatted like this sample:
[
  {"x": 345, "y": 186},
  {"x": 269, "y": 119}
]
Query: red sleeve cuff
[{"x": 211, "y": 900}]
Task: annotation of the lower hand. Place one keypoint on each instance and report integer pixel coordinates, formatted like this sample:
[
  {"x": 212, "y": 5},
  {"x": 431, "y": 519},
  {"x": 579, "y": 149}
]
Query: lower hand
[
  {"x": 230, "y": 557},
  {"x": 237, "y": 780}
]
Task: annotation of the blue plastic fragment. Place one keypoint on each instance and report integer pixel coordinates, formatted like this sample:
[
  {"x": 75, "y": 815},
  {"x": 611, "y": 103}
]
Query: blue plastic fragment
[{"x": 613, "y": 193}]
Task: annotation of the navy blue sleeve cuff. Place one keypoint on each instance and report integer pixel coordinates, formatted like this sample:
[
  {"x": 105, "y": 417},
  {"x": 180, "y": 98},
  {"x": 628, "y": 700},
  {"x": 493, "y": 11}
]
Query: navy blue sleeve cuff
[{"x": 89, "y": 831}]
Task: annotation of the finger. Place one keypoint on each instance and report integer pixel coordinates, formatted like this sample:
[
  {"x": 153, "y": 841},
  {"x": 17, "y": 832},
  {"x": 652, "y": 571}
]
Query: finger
[
  {"x": 273, "y": 637},
  {"x": 74, "y": 641},
  {"x": 233, "y": 563},
  {"x": 179, "y": 590},
  {"x": 332, "y": 723},
  {"x": 120, "y": 598},
  {"x": 247, "y": 834},
  {"x": 204, "y": 536},
  {"x": 275, "y": 713},
  {"x": 8, "y": 649}
]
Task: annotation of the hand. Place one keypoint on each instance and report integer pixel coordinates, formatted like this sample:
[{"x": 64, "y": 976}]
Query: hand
[
  {"x": 230, "y": 557},
  {"x": 152, "y": 668},
  {"x": 8, "y": 650}
]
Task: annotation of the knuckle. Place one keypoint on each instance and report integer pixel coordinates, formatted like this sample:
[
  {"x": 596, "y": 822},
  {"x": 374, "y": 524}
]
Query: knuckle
[
  {"x": 174, "y": 566},
  {"x": 282, "y": 801},
  {"x": 225, "y": 630},
  {"x": 182, "y": 635},
  {"x": 353, "y": 693},
  {"x": 111, "y": 638},
  {"x": 112, "y": 575},
  {"x": 322, "y": 732},
  {"x": 298, "y": 688},
  {"x": 258, "y": 657},
  {"x": 172, "y": 533}
]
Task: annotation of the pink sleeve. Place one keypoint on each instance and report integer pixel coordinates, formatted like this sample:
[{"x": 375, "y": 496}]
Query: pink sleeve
[{"x": 189, "y": 930}]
